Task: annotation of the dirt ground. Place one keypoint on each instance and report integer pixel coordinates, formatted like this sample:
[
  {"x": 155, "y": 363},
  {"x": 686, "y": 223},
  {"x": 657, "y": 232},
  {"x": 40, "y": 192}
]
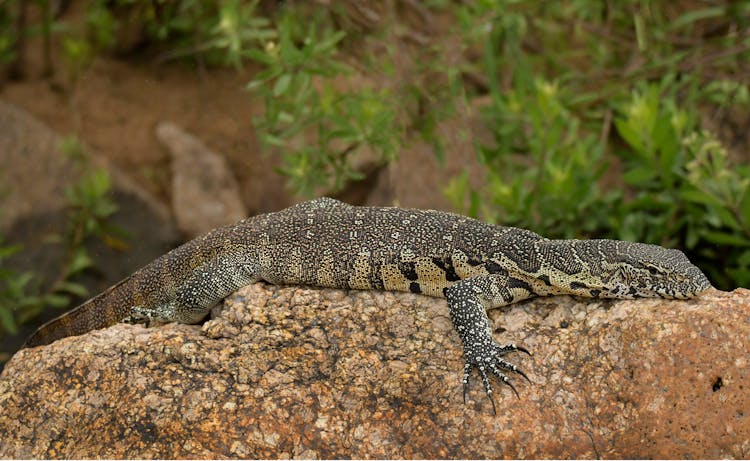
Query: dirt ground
[{"x": 115, "y": 105}]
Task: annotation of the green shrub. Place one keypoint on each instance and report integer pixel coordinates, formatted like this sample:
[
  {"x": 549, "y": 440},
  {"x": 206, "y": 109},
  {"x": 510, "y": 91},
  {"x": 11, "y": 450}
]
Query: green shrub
[
  {"x": 316, "y": 127},
  {"x": 581, "y": 155}
]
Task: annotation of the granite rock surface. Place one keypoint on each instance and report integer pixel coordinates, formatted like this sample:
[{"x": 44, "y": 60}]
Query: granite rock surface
[{"x": 282, "y": 372}]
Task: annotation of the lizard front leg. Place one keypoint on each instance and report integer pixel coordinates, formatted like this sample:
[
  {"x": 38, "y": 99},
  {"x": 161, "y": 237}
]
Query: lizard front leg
[{"x": 468, "y": 302}]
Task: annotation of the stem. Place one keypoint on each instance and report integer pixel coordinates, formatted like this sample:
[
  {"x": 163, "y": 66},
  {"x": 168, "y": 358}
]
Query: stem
[{"x": 76, "y": 240}]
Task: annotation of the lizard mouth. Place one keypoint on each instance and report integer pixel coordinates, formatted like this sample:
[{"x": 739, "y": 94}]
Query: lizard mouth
[
  {"x": 703, "y": 284},
  {"x": 689, "y": 285},
  {"x": 692, "y": 293}
]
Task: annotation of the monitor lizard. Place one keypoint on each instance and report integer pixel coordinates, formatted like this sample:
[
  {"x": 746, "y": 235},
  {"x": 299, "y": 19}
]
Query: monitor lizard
[{"x": 474, "y": 265}]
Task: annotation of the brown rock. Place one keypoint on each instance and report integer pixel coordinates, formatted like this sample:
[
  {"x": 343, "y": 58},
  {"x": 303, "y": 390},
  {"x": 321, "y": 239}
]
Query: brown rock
[
  {"x": 417, "y": 179},
  {"x": 33, "y": 172},
  {"x": 205, "y": 194},
  {"x": 297, "y": 372}
]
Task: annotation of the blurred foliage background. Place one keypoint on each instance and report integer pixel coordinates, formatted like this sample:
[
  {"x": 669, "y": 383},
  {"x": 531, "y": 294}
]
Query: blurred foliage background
[{"x": 623, "y": 120}]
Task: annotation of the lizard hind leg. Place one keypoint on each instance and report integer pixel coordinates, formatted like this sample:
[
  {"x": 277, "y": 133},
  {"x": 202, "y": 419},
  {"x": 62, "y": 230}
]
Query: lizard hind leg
[
  {"x": 172, "y": 311},
  {"x": 468, "y": 301},
  {"x": 206, "y": 285}
]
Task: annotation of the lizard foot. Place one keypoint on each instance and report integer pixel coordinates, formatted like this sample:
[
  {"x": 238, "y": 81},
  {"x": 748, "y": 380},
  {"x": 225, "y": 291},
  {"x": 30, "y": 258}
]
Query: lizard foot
[
  {"x": 494, "y": 364},
  {"x": 140, "y": 314},
  {"x": 136, "y": 315}
]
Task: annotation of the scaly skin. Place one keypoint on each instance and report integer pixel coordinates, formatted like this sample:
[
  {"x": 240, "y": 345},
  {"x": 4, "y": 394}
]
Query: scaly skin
[{"x": 326, "y": 243}]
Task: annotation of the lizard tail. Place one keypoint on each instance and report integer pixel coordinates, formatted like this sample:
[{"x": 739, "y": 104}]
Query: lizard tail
[{"x": 93, "y": 314}]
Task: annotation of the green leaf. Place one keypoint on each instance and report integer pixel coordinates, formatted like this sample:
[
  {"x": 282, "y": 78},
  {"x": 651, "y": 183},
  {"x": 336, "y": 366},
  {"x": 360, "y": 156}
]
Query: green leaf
[
  {"x": 259, "y": 56},
  {"x": 253, "y": 85},
  {"x": 9, "y": 250},
  {"x": 282, "y": 84},
  {"x": 103, "y": 208},
  {"x": 666, "y": 142},
  {"x": 16, "y": 286},
  {"x": 56, "y": 300},
  {"x": 697, "y": 15},
  {"x": 639, "y": 176},
  {"x": 696, "y": 196},
  {"x": 630, "y": 136},
  {"x": 6, "y": 318},
  {"x": 73, "y": 288},
  {"x": 272, "y": 140},
  {"x": 724, "y": 238},
  {"x": 80, "y": 261},
  {"x": 727, "y": 218},
  {"x": 328, "y": 44},
  {"x": 456, "y": 190},
  {"x": 286, "y": 117}
]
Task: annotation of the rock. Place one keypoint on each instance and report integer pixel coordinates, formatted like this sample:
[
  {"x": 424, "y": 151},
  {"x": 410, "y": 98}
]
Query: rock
[
  {"x": 205, "y": 194},
  {"x": 33, "y": 172},
  {"x": 298, "y": 372},
  {"x": 417, "y": 179}
]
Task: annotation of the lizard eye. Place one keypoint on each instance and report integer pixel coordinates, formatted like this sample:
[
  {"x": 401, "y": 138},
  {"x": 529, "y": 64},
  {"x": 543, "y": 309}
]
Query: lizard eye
[{"x": 653, "y": 270}]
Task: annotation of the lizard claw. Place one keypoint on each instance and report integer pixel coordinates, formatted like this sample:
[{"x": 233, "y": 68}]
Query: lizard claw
[
  {"x": 502, "y": 350},
  {"x": 507, "y": 381},
  {"x": 524, "y": 350},
  {"x": 487, "y": 387},
  {"x": 524, "y": 375},
  {"x": 501, "y": 376},
  {"x": 494, "y": 364}
]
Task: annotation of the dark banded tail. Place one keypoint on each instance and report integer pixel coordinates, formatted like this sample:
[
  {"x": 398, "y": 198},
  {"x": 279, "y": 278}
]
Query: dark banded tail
[{"x": 101, "y": 311}]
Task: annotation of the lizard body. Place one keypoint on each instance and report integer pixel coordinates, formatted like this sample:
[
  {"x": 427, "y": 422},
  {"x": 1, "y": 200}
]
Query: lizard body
[{"x": 326, "y": 243}]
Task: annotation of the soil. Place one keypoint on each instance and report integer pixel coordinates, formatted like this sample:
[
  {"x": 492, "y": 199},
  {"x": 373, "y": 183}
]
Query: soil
[{"x": 115, "y": 105}]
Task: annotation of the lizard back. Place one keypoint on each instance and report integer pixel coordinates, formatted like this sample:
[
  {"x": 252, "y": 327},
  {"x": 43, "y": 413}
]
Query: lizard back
[{"x": 328, "y": 243}]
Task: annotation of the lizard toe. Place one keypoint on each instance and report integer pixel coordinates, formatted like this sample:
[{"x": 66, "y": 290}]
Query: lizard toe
[
  {"x": 487, "y": 387},
  {"x": 504, "y": 379},
  {"x": 502, "y": 350}
]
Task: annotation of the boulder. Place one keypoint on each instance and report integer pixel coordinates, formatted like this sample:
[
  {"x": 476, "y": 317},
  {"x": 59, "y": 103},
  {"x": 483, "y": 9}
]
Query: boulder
[
  {"x": 284, "y": 372},
  {"x": 205, "y": 193}
]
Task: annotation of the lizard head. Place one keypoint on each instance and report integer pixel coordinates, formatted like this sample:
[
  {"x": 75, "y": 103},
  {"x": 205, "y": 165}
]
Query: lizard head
[{"x": 636, "y": 270}]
